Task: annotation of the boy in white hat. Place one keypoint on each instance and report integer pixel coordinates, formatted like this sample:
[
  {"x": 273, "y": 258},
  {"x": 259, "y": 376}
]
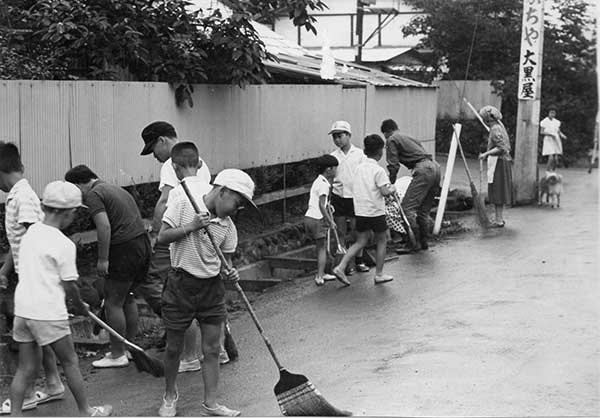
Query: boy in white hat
[
  {"x": 195, "y": 288},
  {"x": 349, "y": 157},
  {"x": 47, "y": 275}
]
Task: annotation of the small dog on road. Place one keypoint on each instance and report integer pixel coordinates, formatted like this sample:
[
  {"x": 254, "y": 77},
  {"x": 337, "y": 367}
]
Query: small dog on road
[{"x": 550, "y": 188}]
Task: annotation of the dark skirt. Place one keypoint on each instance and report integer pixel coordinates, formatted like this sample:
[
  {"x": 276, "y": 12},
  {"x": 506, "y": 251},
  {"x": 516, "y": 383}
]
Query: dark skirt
[{"x": 500, "y": 191}]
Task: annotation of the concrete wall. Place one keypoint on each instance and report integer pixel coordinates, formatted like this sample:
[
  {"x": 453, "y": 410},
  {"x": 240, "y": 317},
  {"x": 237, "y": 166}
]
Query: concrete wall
[{"x": 59, "y": 124}]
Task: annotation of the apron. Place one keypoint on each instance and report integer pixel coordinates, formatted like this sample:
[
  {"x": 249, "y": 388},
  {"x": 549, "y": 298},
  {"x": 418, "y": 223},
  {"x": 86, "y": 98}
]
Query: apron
[{"x": 491, "y": 163}]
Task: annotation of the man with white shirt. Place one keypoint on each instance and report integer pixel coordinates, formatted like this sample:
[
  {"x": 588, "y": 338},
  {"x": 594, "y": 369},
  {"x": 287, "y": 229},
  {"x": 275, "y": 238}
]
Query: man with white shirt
[
  {"x": 552, "y": 146},
  {"x": 159, "y": 138},
  {"x": 349, "y": 157}
]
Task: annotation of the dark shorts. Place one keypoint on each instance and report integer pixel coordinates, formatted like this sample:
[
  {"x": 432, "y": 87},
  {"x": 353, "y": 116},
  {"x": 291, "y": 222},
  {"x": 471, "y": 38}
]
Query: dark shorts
[
  {"x": 129, "y": 261},
  {"x": 186, "y": 297},
  {"x": 371, "y": 223},
  {"x": 315, "y": 228},
  {"x": 343, "y": 206}
]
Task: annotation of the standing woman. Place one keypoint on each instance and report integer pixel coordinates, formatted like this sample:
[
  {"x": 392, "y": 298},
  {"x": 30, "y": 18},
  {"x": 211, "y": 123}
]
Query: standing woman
[{"x": 499, "y": 161}]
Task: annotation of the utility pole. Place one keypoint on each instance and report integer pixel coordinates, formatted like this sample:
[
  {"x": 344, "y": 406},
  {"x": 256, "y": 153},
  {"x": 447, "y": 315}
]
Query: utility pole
[
  {"x": 359, "y": 29},
  {"x": 525, "y": 174}
]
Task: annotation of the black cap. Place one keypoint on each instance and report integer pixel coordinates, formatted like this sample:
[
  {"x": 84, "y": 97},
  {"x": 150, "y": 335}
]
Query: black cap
[{"x": 152, "y": 132}]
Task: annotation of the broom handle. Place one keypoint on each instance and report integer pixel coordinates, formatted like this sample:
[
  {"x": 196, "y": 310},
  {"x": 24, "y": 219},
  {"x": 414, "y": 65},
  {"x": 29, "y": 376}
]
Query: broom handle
[
  {"x": 476, "y": 114},
  {"x": 113, "y": 332},
  {"x": 462, "y": 154},
  {"x": 335, "y": 233},
  {"x": 236, "y": 284}
]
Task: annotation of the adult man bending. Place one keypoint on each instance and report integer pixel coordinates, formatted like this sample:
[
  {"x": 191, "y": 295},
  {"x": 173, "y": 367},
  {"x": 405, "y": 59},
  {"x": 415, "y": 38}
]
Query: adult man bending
[{"x": 426, "y": 175}]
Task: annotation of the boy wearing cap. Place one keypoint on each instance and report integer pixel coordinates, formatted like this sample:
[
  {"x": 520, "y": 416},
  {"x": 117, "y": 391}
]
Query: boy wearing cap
[
  {"x": 159, "y": 139},
  {"x": 123, "y": 255},
  {"x": 47, "y": 276},
  {"x": 349, "y": 157},
  {"x": 195, "y": 289},
  {"x": 318, "y": 216},
  {"x": 370, "y": 185},
  {"x": 22, "y": 210}
]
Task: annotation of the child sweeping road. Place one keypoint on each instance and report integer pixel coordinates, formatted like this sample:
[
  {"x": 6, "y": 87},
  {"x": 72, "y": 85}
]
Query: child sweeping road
[{"x": 318, "y": 216}]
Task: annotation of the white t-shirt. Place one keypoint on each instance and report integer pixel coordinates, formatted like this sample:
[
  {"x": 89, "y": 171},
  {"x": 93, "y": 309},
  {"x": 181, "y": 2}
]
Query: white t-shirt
[
  {"x": 551, "y": 126},
  {"x": 169, "y": 178},
  {"x": 22, "y": 207},
  {"x": 342, "y": 183},
  {"x": 195, "y": 253},
  {"x": 47, "y": 259},
  {"x": 320, "y": 187},
  {"x": 368, "y": 200}
]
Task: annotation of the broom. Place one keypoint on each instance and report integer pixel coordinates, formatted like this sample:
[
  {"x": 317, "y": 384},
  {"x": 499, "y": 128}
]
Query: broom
[
  {"x": 480, "y": 160},
  {"x": 295, "y": 394},
  {"x": 229, "y": 343},
  {"x": 411, "y": 235},
  {"x": 477, "y": 204},
  {"x": 143, "y": 362},
  {"x": 341, "y": 249}
]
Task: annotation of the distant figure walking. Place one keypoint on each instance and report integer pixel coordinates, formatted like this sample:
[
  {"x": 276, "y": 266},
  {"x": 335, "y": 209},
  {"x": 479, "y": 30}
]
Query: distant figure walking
[{"x": 499, "y": 163}]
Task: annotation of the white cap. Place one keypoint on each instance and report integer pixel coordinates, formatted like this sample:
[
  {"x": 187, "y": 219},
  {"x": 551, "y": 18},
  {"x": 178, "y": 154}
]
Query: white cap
[
  {"x": 340, "y": 126},
  {"x": 238, "y": 181},
  {"x": 62, "y": 195}
]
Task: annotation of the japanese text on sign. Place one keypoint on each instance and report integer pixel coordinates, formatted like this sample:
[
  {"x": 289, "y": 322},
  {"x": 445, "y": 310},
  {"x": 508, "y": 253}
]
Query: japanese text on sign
[{"x": 529, "y": 59}]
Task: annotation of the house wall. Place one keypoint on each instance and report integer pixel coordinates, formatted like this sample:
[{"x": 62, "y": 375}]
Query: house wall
[
  {"x": 59, "y": 124},
  {"x": 335, "y": 25}
]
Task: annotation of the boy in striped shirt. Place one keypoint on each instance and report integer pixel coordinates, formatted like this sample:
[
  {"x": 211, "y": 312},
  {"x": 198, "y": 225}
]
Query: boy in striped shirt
[{"x": 194, "y": 288}]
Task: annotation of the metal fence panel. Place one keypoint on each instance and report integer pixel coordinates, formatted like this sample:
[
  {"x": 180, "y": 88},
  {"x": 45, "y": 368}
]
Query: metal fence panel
[{"x": 478, "y": 92}]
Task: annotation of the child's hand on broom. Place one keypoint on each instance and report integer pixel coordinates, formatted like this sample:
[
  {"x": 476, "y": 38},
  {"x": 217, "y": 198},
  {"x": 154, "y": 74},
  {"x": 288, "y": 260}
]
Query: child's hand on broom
[
  {"x": 200, "y": 221},
  {"x": 231, "y": 275}
]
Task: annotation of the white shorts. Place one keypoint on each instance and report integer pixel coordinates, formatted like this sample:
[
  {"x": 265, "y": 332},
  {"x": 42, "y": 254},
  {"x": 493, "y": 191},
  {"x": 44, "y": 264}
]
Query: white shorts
[{"x": 42, "y": 332}]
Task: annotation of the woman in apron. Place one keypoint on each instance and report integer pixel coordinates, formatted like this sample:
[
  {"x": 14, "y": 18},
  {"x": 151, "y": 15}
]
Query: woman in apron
[{"x": 499, "y": 163}]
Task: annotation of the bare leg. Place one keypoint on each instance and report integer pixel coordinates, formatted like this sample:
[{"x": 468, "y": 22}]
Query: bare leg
[
  {"x": 131, "y": 317},
  {"x": 211, "y": 347},
  {"x": 190, "y": 343},
  {"x": 65, "y": 351},
  {"x": 116, "y": 293},
  {"x": 172, "y": 354},
  {"x": 381, "y": 239},
  {"x": 321, "y": 257},
  {"x": 499, "y": 209},
  {"x": 29, "y": 364},
  {"x": 361, "y": 241}
]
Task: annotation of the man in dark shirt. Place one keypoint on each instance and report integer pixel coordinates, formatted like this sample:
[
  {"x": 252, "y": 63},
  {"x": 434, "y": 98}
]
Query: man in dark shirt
[
  {"x": 123, "y": 254},
  {"x": 426, "y": 175}
]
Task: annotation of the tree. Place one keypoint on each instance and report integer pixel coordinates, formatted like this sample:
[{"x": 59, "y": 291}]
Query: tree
[
  {"x": 568, "y": 72},
  {"x": 139, "y": 40}
]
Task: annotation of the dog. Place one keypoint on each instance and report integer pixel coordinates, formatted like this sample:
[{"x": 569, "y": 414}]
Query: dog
[{"x": 550, "y": 188}]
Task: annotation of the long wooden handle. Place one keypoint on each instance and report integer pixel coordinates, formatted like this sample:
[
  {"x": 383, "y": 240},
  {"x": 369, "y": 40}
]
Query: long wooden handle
[
  {"x": 236, "y": 284},
  {"x": 476, "y": 114},
  {"x": 113, "y": 332}
]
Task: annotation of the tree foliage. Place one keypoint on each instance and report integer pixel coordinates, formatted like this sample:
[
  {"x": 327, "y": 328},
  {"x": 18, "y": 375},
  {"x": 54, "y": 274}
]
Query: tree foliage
[
  {"x": 568, "y": 71},
  {"x": 139, "y": 40}
]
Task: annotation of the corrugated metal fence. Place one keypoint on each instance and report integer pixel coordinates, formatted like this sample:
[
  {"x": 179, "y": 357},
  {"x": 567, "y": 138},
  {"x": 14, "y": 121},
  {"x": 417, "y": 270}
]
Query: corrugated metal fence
[
  {"x": 58, "y": 124},
  {"x": 478, "y": 92}
]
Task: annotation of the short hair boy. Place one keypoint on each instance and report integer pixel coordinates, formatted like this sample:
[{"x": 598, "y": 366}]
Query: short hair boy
[
  {"x": 22, "y": 210},
  {"x": 47, "y": 275},
  {"x": 194, "y": 288},
  {"x": 318, "y": 217},
  {"x": 371, "y": 183},
  {"x": 123, "y": 255}
]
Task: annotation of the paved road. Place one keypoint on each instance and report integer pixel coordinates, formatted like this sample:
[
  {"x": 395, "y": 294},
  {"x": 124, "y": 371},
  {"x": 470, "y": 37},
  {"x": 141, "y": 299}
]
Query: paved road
[{"x": 496, "y": 323}]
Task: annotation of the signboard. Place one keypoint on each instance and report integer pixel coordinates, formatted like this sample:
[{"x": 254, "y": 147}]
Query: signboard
[{"x": 530, "y": 59}]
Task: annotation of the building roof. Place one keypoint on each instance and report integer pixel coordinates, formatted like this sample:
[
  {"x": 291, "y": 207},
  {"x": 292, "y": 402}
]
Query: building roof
[{"x": 298, "y": 60}]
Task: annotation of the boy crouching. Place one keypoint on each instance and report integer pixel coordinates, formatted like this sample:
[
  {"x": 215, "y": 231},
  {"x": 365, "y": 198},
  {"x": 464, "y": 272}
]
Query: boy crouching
[
  {"x": 194, "y": 288},
  {"x": 47, "y": 274}
]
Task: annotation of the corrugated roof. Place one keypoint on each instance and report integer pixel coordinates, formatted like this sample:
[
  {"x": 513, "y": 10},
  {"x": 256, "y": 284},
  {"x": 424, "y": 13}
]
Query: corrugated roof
[{"x": 295, "y": 59}]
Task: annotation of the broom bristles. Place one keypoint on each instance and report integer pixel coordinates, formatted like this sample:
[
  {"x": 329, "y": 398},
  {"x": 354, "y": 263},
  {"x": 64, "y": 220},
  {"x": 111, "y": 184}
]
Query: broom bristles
[
  {"x": 229, "y": 344},
  {"x": 145, "y": 363},
  {"x": 479, "y": 207},
  {"x": 297, "y": 396}
]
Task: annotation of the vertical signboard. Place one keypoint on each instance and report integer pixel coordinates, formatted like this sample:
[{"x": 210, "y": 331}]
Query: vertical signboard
[{"x": 530, "y": 59}]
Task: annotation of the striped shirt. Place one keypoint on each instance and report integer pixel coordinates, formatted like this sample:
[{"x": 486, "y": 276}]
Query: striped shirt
[
  {"x": 194, "y": 253},
  {"x": 22, "y": 208}
]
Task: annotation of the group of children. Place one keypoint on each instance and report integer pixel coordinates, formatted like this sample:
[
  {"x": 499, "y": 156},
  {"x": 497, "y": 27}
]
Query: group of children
[
  {"x": 46, "y": 287},
  {"x": 364, "y": 183}
]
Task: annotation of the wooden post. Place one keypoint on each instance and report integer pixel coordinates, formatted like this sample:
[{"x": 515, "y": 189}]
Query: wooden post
[
  {"x": 525, "y": 174},
  {"x": 359, "y": 29},
  {"x": 447, "y": 177}
]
